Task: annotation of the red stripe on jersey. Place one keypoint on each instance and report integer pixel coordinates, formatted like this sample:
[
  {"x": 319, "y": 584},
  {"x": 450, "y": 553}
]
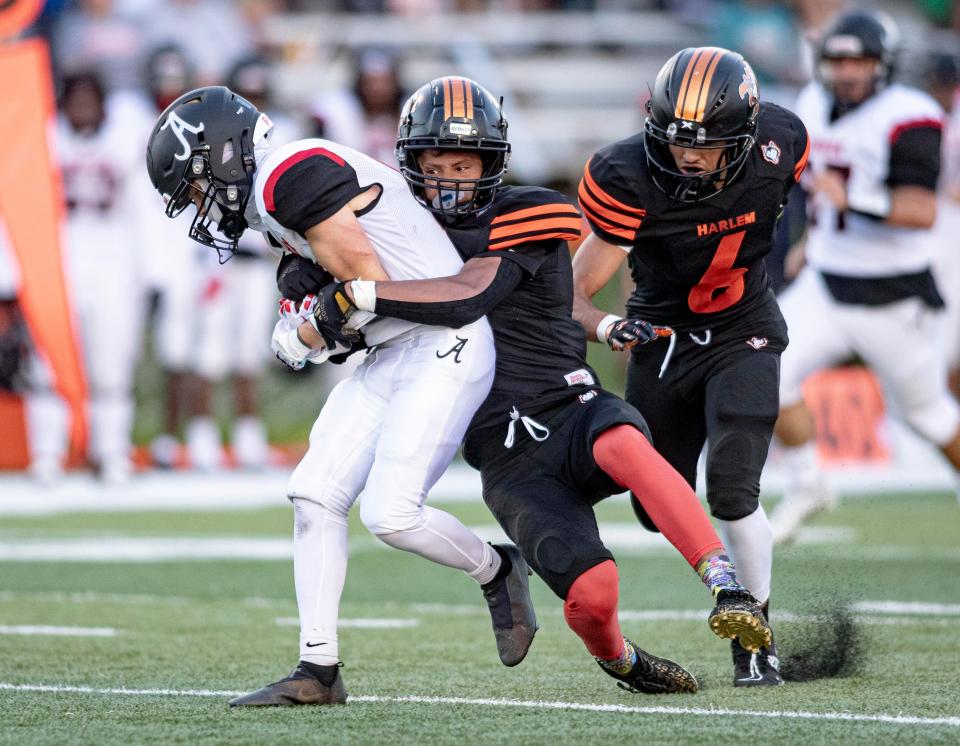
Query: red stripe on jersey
[
  {"x": 289, "y": 163},
  {"x": 914, "y": 124}
]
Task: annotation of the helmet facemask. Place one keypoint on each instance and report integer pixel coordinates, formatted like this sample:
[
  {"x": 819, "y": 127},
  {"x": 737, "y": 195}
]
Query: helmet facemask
[
  {"x": 694, "y": 187},
  {"x": 219, "y": 221},
  {"x": 456, "y": 198}
]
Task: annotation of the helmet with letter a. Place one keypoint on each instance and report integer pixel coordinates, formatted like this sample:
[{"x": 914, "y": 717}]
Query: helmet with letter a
[
  {"x": 201, "y": 151},
  {"x": 703, "y": 97},
  {"x": 857, "y": 55},
  {"x": 459, "y": 114}
]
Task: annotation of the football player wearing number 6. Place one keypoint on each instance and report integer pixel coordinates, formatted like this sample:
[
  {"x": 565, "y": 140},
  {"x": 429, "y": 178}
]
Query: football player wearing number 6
[
  {"x": 691, "y": 204},
  {"x": 873, "y": 179}
]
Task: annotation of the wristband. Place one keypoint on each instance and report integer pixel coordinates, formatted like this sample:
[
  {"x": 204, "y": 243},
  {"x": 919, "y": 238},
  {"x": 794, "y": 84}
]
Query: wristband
[
  {"x": 874, "y": 204},
  {"x": 364, "y": 294},
  {"x": 604, "y": 324}
]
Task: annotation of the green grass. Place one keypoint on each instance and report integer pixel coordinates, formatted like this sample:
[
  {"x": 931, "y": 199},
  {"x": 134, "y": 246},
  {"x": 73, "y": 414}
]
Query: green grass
[{"x": 211, "y": 626}]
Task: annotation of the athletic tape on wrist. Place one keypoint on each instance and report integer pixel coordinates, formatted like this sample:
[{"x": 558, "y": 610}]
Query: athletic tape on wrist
[
  {"x": 364, "y": 294},
  {"x": 604, "y": 324}
]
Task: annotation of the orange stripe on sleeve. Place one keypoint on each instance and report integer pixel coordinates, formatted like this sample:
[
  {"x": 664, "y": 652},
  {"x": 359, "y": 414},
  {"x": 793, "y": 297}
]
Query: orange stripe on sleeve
[
  {"x": 611, "y": 201},
  {"x": 531, "y": 212},
  {"x": 571, "y": 224},
  {"x": 590, "y": 205},
  {"x": 802, "y": 163},
  {"x": 561, "y": 235}
]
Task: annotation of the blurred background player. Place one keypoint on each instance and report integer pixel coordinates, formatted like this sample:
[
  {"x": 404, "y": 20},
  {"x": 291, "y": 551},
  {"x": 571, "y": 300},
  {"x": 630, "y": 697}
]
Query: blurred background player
[
  {"x": 364, "y": 115},
  {"x": 867, "y": 289},
  {"x": 100, "y": 164},
  {"x": 942, "y": 81},
  {"x": 237, "y": 310},
  {"x": 174, "y": 267}
]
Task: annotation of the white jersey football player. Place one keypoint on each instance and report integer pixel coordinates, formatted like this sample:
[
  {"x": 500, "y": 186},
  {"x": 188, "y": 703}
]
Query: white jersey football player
[
  {"x": 389, "y": 430},
  {"x": 867, "y": 289},
  {"x": 100, "y": 165}
]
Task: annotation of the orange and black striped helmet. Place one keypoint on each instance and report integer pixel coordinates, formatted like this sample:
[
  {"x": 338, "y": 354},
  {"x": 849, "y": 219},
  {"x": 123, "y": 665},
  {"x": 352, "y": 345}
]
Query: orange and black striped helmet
[
  {"x": 703, "y": 97},
  {"x": 453, "y": 113}
]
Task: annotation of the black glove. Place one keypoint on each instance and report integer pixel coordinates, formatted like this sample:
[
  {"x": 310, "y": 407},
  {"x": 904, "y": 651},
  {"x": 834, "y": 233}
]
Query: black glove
[
  {"x": 627, "y": 333},
  {"x": 331, "y": 311},
  {"x": 298, "y": 277}
]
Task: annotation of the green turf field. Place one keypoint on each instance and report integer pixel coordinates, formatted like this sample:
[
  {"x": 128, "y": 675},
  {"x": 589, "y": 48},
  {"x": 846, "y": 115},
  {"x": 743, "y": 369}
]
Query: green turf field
[{"x": 185, "y": 635}]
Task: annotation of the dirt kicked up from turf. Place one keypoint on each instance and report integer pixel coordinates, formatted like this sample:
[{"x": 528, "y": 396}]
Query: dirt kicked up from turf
[{"x": 829, "y": 645}]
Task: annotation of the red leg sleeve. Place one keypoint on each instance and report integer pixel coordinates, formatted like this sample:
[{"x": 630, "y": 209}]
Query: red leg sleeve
[
  {"x": 591, "y": 610},
  {"x": 628, "y": 458}
]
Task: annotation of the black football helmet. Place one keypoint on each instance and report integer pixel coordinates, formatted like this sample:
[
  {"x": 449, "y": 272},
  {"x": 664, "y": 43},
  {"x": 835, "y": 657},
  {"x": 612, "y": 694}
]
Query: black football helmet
[
  {"x": 453, "y": 114},
  {"x": 703, "y": 97},
  {"x": 203, "y": 144},
  {"x": 865, "y": 34}
]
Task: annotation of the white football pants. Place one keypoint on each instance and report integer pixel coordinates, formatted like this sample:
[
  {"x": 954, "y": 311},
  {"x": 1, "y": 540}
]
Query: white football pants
[
  {"x": 386, "y": 434},
  {"x": 902, "y": 342}
]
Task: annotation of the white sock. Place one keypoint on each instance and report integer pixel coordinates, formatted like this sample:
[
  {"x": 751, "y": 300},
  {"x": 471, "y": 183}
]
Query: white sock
[
  {"x": 203, "y": 444},
  {"x": 749, "y": 542},
  {"x": 111, "y": 427},
  {"x": 442, "y": 538},
  {"x": 801, "y": 465},
  {"x": 319, "y": 569}
]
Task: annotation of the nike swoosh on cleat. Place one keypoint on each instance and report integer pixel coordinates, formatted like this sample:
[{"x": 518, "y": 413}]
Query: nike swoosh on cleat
[{"x": 315, "y": 644}]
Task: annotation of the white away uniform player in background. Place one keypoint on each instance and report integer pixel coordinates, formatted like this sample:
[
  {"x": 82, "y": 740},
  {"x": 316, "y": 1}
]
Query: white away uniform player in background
[
  {"x": 100, "y": 165},
  {"x": 867, "y": 289},
  {"x": 390, "y": 430}
]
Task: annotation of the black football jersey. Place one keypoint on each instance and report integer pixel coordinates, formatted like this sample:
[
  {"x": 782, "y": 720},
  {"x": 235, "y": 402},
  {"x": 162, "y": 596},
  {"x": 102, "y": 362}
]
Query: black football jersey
[
  {"x": 541, "y": 350},
  {"x": 696, "y": 265}
]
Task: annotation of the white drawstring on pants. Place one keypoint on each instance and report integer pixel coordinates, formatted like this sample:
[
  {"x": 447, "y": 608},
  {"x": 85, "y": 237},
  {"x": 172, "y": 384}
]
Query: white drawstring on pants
[{"x": 537, "y": 431}]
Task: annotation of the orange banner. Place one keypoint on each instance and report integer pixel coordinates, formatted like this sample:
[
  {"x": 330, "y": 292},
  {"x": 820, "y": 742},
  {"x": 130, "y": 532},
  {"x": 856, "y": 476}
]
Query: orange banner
[
  {"x": 32, "y": 206},
  {"x": 847, "y": 405}
]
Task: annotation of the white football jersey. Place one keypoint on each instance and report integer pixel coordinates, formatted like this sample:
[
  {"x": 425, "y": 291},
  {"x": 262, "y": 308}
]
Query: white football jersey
[
  {"x": 857, "y": 145},
  {"x": 409, "y": 242}
]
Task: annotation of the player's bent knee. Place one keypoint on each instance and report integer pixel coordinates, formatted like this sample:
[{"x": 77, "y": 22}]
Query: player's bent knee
[
  {"x": 593, "y": 596},
  {"x": 734, "y": 465},
  {"x": 392, "y": 517}
]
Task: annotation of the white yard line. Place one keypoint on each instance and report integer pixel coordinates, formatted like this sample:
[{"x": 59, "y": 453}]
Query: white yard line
[
  {"x": 33, "y": 629},
  {"x": 358, "y": 623},
  {"x": 907, "y": 607},
  {"x": 900, "y": 719}
]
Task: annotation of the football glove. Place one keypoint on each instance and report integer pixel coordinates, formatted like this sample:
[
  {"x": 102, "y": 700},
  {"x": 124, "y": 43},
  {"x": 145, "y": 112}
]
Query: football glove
[
  {"x": 298, "y": 277},
  {"x": 331, "y": 312},
  {"x": 627, "y": 333}
]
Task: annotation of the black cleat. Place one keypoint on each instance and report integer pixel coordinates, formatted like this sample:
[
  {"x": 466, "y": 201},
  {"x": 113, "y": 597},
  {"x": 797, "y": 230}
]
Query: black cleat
[
  {"x": 511, "y": 608},
  {"x": 755, "y": 669},
  {"x": 653, "y": 675},
  {"x": 738, "y": 616},
  {"x": 301, "y": 687}
]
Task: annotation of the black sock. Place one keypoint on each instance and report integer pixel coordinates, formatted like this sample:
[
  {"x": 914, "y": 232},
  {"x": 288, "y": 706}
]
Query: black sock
[
  {"x": 505, "y": 566},
  {"x": 325, "y": 674},
  {"x": 766, "y": 610}
]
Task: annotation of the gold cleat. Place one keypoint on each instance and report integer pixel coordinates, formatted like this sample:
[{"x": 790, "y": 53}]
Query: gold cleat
[{"x": 738, "y": 616}]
